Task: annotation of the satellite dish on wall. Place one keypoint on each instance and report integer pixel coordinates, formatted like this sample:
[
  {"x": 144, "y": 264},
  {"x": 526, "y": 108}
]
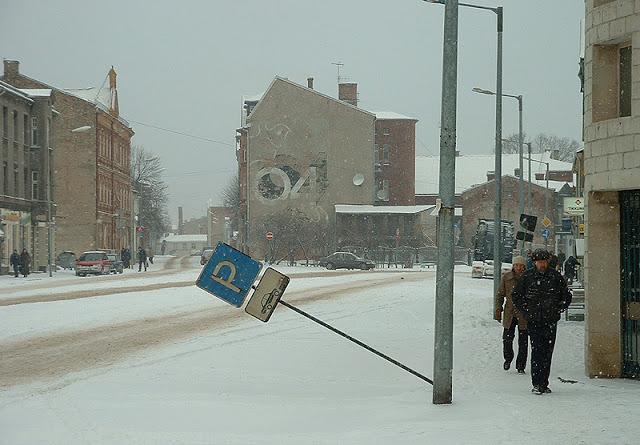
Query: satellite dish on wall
[{"x": 358, "y": 179}]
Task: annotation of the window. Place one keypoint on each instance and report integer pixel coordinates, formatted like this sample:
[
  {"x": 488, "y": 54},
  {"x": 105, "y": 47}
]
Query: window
[
  {"x": 386, "y": 131},
  {"x": 26, "y": 183},
  {"x": 386, "y": 148},
  {"x": 16, "y": 179},
  {"x": 5, "y": 178},
  {"x": 376, "y": 153},
  {"x": 15, "y": 125},
  {"x": 5, "y": 122},
  {"x": 34, "y": 131},
  {"x": 624, "y": 81},
  {"x": 25, "y": 129},
  {"x": 385, "y": 189},
  {"x": 34, "y": 185}
]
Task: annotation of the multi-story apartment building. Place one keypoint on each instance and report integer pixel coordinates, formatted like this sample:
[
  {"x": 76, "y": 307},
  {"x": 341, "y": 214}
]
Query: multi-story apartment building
[
  {"x": 92, "y": 175},
  {"x": 26, "y": 155},
  {"x": 612, "y": 187}
]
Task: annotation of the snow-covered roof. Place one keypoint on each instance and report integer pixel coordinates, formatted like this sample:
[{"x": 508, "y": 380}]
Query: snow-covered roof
[
  {"x": 370, "y": 209},
  {"x": 36, "y": 92},
  {"x": 15, "y": 91},
  {"x": 254, "y": 98},
  {"x": 390, "y": 115},
  {"x": 472, "y": 170},
  {"x": 100, "y": 97},
  {"x": 186, "y": 238}
]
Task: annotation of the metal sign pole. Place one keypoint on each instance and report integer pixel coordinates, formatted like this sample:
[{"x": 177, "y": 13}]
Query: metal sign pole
[{"x": 356, "y": 341}]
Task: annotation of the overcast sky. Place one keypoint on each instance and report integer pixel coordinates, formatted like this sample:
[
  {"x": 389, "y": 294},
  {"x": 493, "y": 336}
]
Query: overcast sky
[{"x": 185, "y": 66}]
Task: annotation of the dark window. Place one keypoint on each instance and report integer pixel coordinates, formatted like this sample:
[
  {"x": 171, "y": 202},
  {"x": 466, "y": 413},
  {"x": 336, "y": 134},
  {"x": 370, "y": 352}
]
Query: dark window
[
  {"x": 16, "y": 179},
  {"x": 5, "y": 178},
  {"x": 625, "y": 81},
  {"x": 25, "y": 129},
  {"x": 26, "y": 181},
  {"x": 15, "y": 125},
  {"x": 386, "y": 131},
  {"x": 386, "y": 148},
  {"x": 5, "y": 122}
]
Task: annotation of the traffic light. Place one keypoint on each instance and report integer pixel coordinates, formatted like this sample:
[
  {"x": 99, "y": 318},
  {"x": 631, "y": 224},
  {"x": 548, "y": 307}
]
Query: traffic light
[
  {"x": 523, "y": 236},
  {"x": 528, "y": 222}
]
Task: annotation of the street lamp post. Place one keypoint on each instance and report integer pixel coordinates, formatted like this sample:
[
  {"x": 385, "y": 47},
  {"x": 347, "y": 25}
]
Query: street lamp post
[
  {"x": 497, "y": 241},
  {"x": 443, "y": 359},
  {"x": 520, "y": 148}
]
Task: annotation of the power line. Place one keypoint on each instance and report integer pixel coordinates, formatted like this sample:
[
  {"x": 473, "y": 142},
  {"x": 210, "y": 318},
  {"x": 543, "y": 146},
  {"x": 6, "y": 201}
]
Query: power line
[{"x": 181, "y": 133}]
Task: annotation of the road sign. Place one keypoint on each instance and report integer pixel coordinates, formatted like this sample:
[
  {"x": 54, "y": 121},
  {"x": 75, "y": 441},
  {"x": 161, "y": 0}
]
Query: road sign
[
  {"x": 546, "y": 222},
  {"x": 546, "y": 233},
  {"x": 269, "y": 236},
  {"x": 229, "y": 274},
  {"x": 573, "y": 206},
  {"x": 140, "y": 229},
  {"x": 528, "y": 222},
  {"x": 267, "y": 294}
]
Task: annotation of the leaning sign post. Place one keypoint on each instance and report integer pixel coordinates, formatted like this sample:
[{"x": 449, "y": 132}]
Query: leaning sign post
[{"x": 231, "y": 275}]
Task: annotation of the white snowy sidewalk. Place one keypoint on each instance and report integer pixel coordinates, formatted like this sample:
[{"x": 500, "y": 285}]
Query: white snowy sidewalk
[{"x": 293, "y": 382}]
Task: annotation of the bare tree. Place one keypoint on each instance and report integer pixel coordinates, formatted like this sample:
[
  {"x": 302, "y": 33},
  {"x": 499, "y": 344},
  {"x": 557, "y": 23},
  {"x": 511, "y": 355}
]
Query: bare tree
[
  {"x": 146, "y": 171},
  {"x": 294, "y": 235},
  {"x": 561, "y": 148},
  {"x": 231, "y": 194}
]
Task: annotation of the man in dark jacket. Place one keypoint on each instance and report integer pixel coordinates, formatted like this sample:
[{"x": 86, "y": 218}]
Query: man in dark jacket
[
  {"x": 14, "y": 260},
  {"x": 541, "y": 295},
  {"x": 570, "y": 269},
  {"x": 142, "y": 259}
]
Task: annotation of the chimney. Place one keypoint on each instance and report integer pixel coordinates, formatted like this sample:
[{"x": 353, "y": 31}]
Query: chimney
[
  {"x": 348, "y": 92},
  {"x": 310, "y": 83},
  {"x": 180, "y": 221},
  {"x": 491, "y": 176},
  {"x": 11, "y": 69}
]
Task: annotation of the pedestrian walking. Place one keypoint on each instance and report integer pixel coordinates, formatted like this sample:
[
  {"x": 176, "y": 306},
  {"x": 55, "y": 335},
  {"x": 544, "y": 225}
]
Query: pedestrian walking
[
  {"x": 570, "y": 269},
  {"x": 511, "y": 317},
  {"x": 14, "y": 260},
  {"x": 25, "y": 262},
  {"x": 142, "y": 259},
  {"x": 541, "y": 295},
  {"x": 562, "y": 257},
  {"x": 150, "y": 255}
]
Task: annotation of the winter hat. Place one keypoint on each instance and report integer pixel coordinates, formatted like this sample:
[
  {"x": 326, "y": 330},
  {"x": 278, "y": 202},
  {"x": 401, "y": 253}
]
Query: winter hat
[{"x": 518, "y": 260}]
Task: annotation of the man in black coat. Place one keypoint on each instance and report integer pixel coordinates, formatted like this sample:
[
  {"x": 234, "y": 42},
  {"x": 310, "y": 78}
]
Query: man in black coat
[
  {"x": 541, "y": 295},
  {"x": 142, "y": 259},
  {"x": 15, "y": 262}
]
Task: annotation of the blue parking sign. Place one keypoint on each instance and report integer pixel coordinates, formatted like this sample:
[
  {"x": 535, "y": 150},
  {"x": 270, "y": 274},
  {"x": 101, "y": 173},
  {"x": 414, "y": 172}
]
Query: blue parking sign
[
  {"x": 546, "y": 233},
  {"x": 229, "y": 274}
]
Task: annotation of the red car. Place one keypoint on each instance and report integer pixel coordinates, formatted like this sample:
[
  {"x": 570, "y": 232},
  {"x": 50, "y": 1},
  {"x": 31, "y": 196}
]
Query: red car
[{"x": 93, "y": 262}]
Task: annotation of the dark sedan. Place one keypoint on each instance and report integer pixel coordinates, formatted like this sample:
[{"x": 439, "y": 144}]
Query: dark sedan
[{"x": 346, "y": 260}]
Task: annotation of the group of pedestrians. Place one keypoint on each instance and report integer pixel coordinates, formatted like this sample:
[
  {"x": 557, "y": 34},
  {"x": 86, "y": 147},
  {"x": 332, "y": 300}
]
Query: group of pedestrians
[
  {"x": 20, "y": 263},
  {"x": 531, "y": 300},
  {"x": 144, "y": 258}
]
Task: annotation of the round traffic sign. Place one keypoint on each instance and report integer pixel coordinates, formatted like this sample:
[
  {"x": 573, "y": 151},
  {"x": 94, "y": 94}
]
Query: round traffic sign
[{"x": 269, "y": 236}]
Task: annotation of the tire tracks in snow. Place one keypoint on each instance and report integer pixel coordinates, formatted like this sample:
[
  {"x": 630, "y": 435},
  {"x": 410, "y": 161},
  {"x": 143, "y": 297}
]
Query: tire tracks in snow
[{"x": 57, "y": 354}]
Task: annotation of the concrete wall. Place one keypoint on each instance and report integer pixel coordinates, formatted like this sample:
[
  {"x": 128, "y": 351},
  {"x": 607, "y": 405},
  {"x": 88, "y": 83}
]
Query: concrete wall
[
  {"x": 611, "y": 164},
  {"x": 295, "y": 131}
]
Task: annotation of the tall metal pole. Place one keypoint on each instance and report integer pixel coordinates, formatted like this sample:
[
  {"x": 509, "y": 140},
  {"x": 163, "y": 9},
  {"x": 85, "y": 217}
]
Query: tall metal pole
[
  {"x": 497, "y": 220},
  {"x": 546, "y": 203},
  {"x": 521, "y": 175},
  {"x": 530, "y": 199},
  {"x": 49, "y": 219},
  {"x": 443, "y": 344}
]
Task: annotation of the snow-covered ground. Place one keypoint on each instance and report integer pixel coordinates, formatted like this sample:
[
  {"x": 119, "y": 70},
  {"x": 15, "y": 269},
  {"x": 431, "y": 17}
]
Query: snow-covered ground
[{"x": 176, "y": 366}]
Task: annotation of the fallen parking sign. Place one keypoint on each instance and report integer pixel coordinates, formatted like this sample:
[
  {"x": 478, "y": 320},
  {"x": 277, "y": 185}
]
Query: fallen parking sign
[
  {"x": 267, "y": 294},
  {"x": 229, "y": 274}
]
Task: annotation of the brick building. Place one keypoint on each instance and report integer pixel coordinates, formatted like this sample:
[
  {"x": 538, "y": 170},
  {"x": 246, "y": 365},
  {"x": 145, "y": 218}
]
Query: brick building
[
  {"x": 395, "y": 153},
  {"x": 26, "y": 159},
  {"x": 612, "y": 187},
  {"x": 93, "y": 180}
]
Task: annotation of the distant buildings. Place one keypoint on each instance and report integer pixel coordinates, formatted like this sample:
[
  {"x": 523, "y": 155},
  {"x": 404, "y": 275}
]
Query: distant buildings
[
  {"x": 301, "y": 153},
  {"x": 92, "y": 177},
  {"x": 26, "y": 158}
]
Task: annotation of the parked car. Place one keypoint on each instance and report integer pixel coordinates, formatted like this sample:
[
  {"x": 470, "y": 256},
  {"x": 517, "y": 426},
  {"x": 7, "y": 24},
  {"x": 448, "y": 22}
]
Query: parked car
[
  {"x": 66, "y": 260},
  {"x": 477, "y": 269},
  {"x": 93, "y": 262},
  {"x": 117, "y": 266},
  {"x": 206, "y": 254},
  {"x": 484, "y": 269},
  {"x": 345, "y": 260}
]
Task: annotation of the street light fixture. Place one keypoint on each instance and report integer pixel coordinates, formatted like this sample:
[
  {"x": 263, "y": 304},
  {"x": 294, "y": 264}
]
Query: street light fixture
[
  {"x": 520, "y": 148},
  {"x": 497, "y": 242}
]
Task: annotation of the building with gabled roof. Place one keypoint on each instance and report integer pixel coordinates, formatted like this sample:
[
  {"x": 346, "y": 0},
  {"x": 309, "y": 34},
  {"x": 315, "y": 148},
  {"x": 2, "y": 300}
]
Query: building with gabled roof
[{"x": 93, "y": 189}]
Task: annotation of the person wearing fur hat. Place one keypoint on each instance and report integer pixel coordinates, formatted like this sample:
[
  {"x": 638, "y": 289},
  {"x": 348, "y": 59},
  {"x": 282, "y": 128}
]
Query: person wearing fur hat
[{"x": 511, "y": 317}]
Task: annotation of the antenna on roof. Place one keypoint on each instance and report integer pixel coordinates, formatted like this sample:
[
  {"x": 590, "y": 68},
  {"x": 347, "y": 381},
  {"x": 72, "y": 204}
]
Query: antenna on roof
[{"x": 338, "y": 66}]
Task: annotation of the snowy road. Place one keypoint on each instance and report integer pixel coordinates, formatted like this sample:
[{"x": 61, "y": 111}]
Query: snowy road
[{"x": 173, "y": 365}]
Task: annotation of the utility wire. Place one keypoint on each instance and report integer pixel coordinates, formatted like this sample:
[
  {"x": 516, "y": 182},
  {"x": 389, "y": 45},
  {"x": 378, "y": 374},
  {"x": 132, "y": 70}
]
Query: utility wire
[{"x": 181, "y": 133}]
